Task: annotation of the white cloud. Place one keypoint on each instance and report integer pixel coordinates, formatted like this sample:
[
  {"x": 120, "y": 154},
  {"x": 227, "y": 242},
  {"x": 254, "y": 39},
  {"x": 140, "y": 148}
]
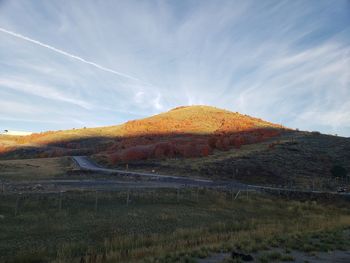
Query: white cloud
[
  {"x": 12, "y": 108},
  {"x": 40, "y": 90},
  {"x": 157, "y": 102}
]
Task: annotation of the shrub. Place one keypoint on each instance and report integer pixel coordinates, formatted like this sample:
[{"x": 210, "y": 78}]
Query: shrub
[
  {"x": 339, "y": 171},
  {"x": 137, "y": 153},
  {"x": 204, "y": 150},
  {"x": 164, "y": 149},
  {"x": 190, "y": 150},
  {"x": 212, "y": 142},
  {"x": 223, "y": 144}
]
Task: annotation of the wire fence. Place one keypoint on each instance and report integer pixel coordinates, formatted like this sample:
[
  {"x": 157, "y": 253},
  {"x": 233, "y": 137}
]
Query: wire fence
[
  {"x": 93, "y": 200},
  {"x": 16, "y": 202}
]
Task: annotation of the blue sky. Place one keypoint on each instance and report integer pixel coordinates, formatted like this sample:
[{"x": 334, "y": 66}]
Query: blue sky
[{"x": 66, "y": 64}]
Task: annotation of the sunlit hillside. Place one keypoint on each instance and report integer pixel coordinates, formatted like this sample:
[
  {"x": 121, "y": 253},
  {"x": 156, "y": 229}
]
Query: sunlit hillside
[
  {"x": 195, "y": 120},
  {"x": 190, "y": 131}
]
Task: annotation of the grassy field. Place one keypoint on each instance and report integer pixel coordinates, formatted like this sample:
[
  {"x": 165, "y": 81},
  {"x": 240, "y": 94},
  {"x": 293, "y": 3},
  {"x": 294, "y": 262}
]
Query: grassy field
[
  {"x": 160, "y": 225},
  {"x": 35, "y": 169}
]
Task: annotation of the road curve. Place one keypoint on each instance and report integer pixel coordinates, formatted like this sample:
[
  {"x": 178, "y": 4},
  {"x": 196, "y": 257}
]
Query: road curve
[{"x": 86, "y": 164}]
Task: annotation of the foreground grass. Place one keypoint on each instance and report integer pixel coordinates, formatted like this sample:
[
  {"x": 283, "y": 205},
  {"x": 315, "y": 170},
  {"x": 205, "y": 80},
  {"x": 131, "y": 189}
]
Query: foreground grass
[
  {"x": 156, "y": 226},
  {"x": 34, "y": 169}
]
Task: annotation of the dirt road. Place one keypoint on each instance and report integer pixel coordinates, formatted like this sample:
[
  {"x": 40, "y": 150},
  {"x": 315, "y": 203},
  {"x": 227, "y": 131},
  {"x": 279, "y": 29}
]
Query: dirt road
[{"x": 86, "y": 164}]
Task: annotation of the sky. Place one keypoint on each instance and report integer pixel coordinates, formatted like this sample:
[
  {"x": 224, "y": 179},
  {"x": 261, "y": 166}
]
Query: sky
[{"x": 71, "y": 64}]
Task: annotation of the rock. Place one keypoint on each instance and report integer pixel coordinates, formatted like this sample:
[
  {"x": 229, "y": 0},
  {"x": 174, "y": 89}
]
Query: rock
[
  {"x": 242, "y": 256},
  {"x": 38, "y": 187}
]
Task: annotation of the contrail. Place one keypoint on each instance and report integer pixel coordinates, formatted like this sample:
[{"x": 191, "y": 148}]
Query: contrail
[{"x": 62, "y": 52}]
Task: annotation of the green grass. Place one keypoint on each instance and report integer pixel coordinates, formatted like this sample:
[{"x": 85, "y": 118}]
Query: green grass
[
  {"x": 155, "y": 226},
  {"x": 319, "y": 242}
]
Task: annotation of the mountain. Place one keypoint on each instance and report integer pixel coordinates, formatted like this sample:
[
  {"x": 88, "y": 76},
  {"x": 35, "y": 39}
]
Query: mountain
[{"x": 188, "y": 131}]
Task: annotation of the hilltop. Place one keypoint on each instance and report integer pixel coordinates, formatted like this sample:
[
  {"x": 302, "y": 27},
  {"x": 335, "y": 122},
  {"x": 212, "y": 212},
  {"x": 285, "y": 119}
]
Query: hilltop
[
  {"x": 205, "y": 127},
  {"x": 195, "y": 120}
]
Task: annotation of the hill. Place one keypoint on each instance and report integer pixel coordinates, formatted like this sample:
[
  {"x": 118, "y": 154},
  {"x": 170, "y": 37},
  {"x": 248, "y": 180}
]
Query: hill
[
  {"x": 190, "y": 131},
  {"x": 200, "y": 141}
]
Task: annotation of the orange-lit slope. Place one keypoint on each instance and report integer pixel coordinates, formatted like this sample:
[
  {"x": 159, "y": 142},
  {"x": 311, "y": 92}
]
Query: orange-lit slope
[
  {"x": 192, "y": 131},
  {"x": 195, "y": 120},
  {"x": 207, "y": 127}
]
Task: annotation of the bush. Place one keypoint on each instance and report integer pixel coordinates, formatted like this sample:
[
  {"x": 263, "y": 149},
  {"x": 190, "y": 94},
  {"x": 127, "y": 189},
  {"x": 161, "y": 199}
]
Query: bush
[
  {"x": 339, "y": 171},
  {"x": 223, "y": 144},
  {"x": 212, "y": 142},
  {"x": 163, "y": 149}
]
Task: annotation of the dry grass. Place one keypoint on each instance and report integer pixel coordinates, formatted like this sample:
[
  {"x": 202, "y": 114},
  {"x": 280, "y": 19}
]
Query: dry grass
[
  {"x": 157, "y": 228},
  {"x": 196, "y": 120},
  {"x": 34, "y": 169}
]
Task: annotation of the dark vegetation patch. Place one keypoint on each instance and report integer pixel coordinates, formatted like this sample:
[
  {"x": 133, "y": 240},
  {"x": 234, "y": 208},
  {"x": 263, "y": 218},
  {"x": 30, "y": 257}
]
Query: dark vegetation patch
[{"x": 296, "y": 160}]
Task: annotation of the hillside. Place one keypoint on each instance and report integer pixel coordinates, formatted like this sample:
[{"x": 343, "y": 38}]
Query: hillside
[
  {"x": 195, "y": 120},
  {"x": 190, "y": 131},
  {"x": 294, "y": 159}
]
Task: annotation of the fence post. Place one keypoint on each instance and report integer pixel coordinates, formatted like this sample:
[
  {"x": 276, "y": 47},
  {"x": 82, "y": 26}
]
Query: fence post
[
  {"x": 60, "y": 202},
  {"x": 237, "y": 194},
  {"x": 178, "y": 194},
  {"x": 17, "y": 204},
  {"x": 96, "y": 201},
  {"x": 127, "y": 197}
]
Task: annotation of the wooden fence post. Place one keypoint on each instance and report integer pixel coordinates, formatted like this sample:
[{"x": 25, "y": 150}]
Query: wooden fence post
[
  {"x": 17, "y": 204},
  {"x": 237, "y": 194},
  {"x": 127, "y": 197},
  {"x": 60, "y": 202},
  {"x": 96, "y": 201}
]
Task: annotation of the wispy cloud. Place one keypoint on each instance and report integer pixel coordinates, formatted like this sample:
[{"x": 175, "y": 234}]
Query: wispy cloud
[
  {"x": 46, "y": 92},
  {"x": 284, "y": 61},
  {"x": 11, "y": 108},
  {"x": 62, "y": 52}
]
